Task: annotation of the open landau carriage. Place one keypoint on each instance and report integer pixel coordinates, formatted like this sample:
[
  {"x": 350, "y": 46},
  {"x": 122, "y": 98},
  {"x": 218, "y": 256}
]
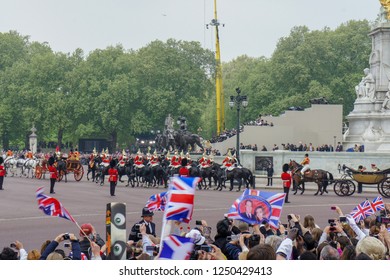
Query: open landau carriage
[
  {"x": 346, "y": 186},
  {"x": 72, "y": 166}
]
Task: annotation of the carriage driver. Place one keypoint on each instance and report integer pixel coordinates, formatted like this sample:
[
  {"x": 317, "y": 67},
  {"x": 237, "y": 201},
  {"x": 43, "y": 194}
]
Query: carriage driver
[
  {"x": 29, "y": 154},
  {"x": 306, "y": 165},
  {"x": 9, "y": 153}
]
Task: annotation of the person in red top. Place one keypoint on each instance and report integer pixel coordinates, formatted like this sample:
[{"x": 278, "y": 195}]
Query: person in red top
[
  {"x": 183, "y": 171},
  {"x": 113, "y": 179},
  {"x": 286, "y": 179},
  {"x": 2, "y": 172},
  {"x": 53, "y": 174}
]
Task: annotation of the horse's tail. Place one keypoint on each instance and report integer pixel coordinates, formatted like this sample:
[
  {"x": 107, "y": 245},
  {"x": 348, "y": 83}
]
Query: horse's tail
[{"x": 328, "y": 178}]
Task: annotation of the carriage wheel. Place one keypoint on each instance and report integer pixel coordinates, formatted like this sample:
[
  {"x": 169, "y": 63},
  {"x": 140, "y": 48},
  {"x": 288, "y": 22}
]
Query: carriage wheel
[
  {"x": 384, "y": 188},
  {"x": 351, "y": 187},
  {"x": 344, "y": 188},
  {"x": 38, "y": 172},
  {"x": 78, "y": 172}
]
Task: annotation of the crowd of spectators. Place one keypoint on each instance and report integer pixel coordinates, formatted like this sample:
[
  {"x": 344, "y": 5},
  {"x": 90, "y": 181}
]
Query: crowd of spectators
[
  {"x": 226, "y": 134},
  {"x": 260, "y": 122},
  {"x": 300, "y": 147},
  {"x": 298, "y": 239}
]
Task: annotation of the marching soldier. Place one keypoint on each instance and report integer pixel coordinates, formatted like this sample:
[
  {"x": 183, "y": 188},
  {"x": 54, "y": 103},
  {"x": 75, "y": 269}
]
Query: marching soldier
[
  {"x": 113, "y": 179},
  {"x": 53, "y": 174},
  {"x": 2, "y": 172}
]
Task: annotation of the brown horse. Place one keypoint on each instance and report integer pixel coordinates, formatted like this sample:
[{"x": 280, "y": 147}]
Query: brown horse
[{"x": 321, "y": 177}]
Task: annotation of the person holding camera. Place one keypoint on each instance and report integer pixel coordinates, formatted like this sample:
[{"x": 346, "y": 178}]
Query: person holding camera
[
  {"x": 50, "y": 249},
  {"x": 22, "y": 254},
  {"x": 147, "y": 219},
  {"x": 88, "y": 234}
]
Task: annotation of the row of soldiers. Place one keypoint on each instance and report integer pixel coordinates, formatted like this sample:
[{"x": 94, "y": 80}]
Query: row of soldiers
[{"x": 154, "y": 159}]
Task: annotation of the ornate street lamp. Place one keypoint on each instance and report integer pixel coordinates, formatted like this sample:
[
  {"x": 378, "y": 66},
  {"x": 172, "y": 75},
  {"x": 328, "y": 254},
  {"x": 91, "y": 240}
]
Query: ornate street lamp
[{"x": 238, "y": 101}]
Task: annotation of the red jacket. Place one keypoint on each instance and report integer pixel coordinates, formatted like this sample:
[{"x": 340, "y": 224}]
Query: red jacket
[
  {"x": 2, "y": 171},
  {"x": 286, "y": 178},
  {"x": 53, "y": 172},
  {"x": 184, "y": 172},
  {"x": 113, "y": 175}
]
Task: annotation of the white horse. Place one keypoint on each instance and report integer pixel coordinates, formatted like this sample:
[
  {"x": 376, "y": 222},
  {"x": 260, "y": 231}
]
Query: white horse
[
  {"x": 20, "y": 164},
  {"x": 29, "y": 165},
  {"x": 10, "y": 164}
]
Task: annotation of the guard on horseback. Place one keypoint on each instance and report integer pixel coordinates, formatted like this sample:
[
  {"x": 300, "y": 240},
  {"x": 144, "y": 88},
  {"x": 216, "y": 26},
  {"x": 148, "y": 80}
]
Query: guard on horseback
[
  {"x": 204, "y": 161},
  {"x": 139, "y": 160},
  {"x": 176, "y": 160},
  {"x": 154, "y": 159},
  {"x": 228, "y": 162},
  {"x": 122, "y": 159}
]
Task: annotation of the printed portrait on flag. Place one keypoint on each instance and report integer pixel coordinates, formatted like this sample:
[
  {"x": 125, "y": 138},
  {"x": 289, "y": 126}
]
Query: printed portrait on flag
[
  {"x": 267, "y": 206},
  {"x": 254, "y": 209}
]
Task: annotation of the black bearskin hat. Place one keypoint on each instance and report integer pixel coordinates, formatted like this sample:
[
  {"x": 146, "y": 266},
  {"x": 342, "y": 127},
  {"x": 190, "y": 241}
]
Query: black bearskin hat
[
  {"x": 51, "y": 160},
  {"x": 184, "y": 162},
  {"x": 1, "y": 160},
  {"x": 112, "y": 163},
  {"x": 285, "y": 167}
]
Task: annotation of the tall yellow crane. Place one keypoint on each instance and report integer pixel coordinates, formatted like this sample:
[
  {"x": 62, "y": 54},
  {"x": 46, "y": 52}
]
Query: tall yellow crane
[{"x": 218, "y": 77}]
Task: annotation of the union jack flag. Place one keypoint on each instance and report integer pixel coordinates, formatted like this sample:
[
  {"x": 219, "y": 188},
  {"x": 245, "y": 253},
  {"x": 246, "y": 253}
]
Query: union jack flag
[
  {"x": 377, "y": 204},
  {"x": 51, "y": 206},
  {"x": 180, "y": 201},
  {"x": 176, "y": 248},
  {"x": 157, "y": 202},
  {"x": 272, "y": 201},
  {"x": 362, "y": 211}
]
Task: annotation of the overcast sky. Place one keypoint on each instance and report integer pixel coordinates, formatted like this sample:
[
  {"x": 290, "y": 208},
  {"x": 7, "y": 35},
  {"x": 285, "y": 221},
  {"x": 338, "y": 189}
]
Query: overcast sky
[{"x": 252, "y": 27}]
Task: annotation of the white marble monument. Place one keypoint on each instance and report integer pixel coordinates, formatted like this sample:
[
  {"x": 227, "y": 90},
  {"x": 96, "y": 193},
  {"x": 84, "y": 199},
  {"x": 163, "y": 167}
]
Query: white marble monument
[{"x": 369, "y": 122}]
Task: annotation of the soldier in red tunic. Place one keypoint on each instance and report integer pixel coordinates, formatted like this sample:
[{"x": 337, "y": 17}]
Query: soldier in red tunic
[
  {"x": 286, "y": 180},
  {"x": 53, "y": 174},
  {"x": 154, "y": 159},
  {"x": 175, "y": 161},
  {"x": 113, "y": 179},
  {"x": 2, "y": 172},
  {"x": 139, "y": 160}
]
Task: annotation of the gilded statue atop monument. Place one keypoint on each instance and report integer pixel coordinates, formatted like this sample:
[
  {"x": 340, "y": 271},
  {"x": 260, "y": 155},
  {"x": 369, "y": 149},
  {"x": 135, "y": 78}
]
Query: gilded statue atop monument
[{"x": 386, "y": 6}]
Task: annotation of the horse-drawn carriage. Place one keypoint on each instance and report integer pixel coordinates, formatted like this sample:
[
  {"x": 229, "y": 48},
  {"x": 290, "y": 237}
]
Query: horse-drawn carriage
[
  {"x": 345, "y": 186},
  {"x": 71, "y": 166},
  {"x": 64, "y": 167}
]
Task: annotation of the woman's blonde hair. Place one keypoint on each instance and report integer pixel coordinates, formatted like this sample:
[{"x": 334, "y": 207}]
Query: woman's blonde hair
[{"x": 33, "y": 255}]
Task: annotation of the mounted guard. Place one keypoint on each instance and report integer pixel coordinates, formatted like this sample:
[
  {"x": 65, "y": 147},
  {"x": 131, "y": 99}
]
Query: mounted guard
[
  {"x": 122, "y": 159},
  {"x": 139, "y": 160},
  {"x": 154, "y": 161},
  {"x": 176, "y": 160}
]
